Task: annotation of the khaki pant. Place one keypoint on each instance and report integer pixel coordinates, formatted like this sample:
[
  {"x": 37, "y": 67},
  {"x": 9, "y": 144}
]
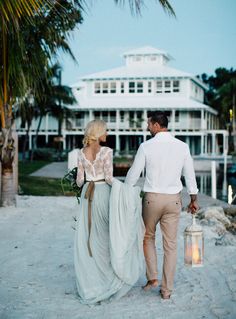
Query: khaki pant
[{"x": 163, "y": 208}]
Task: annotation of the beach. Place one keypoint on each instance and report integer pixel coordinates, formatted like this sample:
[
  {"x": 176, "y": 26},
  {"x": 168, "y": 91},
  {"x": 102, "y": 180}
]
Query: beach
[{"x": 37, "y": 277}]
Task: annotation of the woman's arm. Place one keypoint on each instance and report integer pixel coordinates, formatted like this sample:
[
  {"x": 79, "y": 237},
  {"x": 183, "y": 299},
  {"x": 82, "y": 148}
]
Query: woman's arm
[
  {"x": 108, "y": 166},
  {"x": 80, "y": 172}
]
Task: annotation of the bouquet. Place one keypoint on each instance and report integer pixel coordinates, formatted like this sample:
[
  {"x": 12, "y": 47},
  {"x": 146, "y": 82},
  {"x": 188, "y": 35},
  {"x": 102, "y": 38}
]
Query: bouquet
[{"x": 70, "y": 180}]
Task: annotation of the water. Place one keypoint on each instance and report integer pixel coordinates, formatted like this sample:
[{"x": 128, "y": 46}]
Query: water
[{"x": 226, "y": 186}]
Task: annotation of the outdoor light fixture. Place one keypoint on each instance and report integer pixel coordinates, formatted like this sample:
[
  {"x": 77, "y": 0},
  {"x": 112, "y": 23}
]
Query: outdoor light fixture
[{"x": 193, "y": 245}]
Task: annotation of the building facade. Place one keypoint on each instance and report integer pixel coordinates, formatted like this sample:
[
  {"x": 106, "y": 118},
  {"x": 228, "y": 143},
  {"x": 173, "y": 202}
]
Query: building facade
[{"x": 123, "y": 96}]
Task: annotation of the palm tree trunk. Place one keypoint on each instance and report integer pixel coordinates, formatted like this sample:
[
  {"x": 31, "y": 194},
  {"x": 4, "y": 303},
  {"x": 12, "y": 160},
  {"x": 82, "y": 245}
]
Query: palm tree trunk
[
  {"x": 7, "y": 156},
  {"x": 7, "y": 149}
]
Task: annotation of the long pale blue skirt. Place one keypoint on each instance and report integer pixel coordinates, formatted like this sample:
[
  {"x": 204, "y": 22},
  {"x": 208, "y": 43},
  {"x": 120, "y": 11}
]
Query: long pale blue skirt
[{"x": 116, "y": 238}]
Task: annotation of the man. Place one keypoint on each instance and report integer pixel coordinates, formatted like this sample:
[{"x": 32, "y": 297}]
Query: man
[{"x": 164, "y": 158}]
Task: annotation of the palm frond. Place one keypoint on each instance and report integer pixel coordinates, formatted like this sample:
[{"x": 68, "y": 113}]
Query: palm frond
[{"x": 137, "y": 5}]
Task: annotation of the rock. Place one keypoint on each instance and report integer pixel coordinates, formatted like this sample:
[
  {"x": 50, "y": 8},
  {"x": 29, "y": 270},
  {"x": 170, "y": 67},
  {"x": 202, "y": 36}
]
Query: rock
[
  {"x": 230, "y": 211},
  {"x": 232, "y": 228},
  {"x": 214, "y": 213},
  {"x": 226, "y": 240}
]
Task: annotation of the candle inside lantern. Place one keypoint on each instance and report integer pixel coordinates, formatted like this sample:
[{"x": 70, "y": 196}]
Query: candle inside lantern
[
  {"x": 195, "y": 254},
  {"x": 193, "y": 236}
]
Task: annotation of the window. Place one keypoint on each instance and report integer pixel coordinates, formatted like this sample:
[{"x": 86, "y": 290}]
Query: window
[
  {"x": 149, "y": 87},
  {"x": 136, "y": 87},
  {"x": 131, "y": 87},
  {"x": 158, "y": 86},
  {"x": 113, "y": 87},
  {"x": 97, "y": 115},
  {"x": 122, "y": 87},
  {"x": 105, "y": 87},
  {"x": 175, "y": 86},
  {"x": 97, "y": 88},
  {"x": 176, "y": 116},
  {"x": 139, "y": 87},
  {"x": 105, "y": 116},
  {"x": 153, "y": 58},
  {"x": 167, "y": 86},
  {"x": 139, "y": 119},
  {"x": 113, "y": 116},
  {"x": 122, "y": 116},
  {"x": 137, "y": 58}
]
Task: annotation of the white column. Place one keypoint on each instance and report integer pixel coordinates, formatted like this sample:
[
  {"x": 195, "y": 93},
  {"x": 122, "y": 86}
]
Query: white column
[
  {"x": 30, "y": 141},
  {"x": 225, "y": 143},
  {"x": 90, "y": 115},
  {"x": 213, "y": 143},
  {"x": 202, "y": 120},
  {"x": 144, "y": 124},
  {"x": 64, "y": 141},
  {"x": 126, "y": 120},
  {"x": 188, "y": 141},
  {"x": 205, "y": 144},
  {"x": 202, "y": 145},
  {"x": 117, "y": 120},
  {"x": 117, "y": 143},
  {"x": 173, "y": 121},
  {"x": 46, "y": 123},
  {"x": 135, "y": 119},
  {"x": 126, "y": 144},
  {"x": 46, "y": 137}
]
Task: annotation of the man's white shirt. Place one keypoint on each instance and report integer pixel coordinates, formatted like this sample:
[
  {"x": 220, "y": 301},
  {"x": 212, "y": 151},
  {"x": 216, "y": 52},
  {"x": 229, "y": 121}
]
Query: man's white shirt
[{"x": 165, "y": 159}]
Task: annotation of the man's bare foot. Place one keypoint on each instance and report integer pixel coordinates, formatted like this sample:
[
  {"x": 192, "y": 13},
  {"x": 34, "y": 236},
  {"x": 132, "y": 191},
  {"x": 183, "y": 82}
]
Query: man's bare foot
[{"x": 150, "y": 284}]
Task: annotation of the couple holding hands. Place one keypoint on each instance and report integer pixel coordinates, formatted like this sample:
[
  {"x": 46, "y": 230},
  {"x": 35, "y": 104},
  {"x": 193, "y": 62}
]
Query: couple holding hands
[{"x": 115, "y": 228}]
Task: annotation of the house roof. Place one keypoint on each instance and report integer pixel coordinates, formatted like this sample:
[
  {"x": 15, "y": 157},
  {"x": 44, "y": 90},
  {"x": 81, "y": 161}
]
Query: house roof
[
  {"x": 140, "y": 72},
  {"x": 138, "y": 102},
  {"x": 147, "y": 50}
]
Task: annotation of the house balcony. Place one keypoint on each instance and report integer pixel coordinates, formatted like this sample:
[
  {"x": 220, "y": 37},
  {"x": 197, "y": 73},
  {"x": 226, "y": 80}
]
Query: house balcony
[{"x": 132, "y": 125}]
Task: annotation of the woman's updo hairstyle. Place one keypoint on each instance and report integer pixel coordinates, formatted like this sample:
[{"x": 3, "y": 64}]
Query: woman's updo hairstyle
[{"x": 93, "y": 131}]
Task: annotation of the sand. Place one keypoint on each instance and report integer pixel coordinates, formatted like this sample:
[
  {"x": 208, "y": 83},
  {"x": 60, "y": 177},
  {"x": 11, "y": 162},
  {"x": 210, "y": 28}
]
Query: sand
[{"x": 37, "y": 275}]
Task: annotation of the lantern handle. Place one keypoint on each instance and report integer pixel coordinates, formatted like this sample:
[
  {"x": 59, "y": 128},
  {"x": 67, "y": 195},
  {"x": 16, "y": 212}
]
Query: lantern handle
[{"x": 193, "y": 220}]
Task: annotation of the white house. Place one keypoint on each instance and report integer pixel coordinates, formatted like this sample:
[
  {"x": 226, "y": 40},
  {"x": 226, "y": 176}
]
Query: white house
[{"x": 123, "y": 96}]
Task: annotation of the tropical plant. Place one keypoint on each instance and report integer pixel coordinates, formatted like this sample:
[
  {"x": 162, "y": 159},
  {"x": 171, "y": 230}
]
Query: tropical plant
[{"x": 31, "y": 32}]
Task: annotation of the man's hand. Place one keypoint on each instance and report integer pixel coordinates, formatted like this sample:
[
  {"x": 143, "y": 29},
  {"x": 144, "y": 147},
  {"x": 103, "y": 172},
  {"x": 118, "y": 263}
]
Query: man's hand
[{"x": 193, "y": 207}]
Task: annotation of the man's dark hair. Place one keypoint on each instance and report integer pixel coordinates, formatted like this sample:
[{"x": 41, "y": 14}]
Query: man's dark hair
[{"x": 158, "y": 117}]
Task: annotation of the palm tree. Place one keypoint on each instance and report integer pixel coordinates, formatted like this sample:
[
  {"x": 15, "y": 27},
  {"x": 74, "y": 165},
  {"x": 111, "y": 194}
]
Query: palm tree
[
  {"x": 53, "y": 99},
  {"x": 11, "y": 13},
  {"x": 31, "y": 32}
]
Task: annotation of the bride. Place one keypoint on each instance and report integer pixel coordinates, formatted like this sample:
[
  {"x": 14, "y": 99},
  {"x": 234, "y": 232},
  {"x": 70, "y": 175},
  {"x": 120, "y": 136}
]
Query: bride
[{"x": 108, "y": 254}]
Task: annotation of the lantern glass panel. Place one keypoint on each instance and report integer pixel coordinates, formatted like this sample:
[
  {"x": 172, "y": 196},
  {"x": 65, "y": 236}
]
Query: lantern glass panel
[{"x": 194, "y": 249}]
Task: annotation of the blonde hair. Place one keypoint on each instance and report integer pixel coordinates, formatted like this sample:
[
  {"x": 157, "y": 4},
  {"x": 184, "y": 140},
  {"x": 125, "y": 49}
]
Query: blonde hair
[{"x": 93, "y": 131}]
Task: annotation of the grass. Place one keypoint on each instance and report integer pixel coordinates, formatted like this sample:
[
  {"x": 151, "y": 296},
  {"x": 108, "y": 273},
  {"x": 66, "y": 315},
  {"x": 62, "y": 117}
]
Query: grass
[{"x": 39, "y": 186}]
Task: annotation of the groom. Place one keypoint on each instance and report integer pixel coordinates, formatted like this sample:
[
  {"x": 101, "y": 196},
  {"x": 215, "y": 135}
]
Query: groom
[{"x": 164, "y": 158}]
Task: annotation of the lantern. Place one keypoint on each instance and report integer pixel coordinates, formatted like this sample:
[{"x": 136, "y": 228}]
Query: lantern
[{"x": 193, "y": 245}]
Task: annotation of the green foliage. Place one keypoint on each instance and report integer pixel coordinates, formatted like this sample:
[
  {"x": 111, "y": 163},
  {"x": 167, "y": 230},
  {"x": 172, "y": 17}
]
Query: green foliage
[
  {"x": 69, "y": 180},
  {"x": 222, "y": 88}
]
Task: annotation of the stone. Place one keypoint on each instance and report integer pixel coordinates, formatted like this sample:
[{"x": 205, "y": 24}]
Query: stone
[
  {"x": 230, "y": 211},
  {"x": 214, "y": 213}
]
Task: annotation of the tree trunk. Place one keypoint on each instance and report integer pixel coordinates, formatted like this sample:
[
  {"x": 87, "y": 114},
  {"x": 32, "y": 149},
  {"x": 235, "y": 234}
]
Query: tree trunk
[
  {"x": 8, "y": 197},
  {"x": 8, "y": 189}
]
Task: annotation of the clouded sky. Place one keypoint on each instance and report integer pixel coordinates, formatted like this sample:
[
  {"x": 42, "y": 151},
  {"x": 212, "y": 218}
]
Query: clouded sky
[{"x": 200, "y": 39}]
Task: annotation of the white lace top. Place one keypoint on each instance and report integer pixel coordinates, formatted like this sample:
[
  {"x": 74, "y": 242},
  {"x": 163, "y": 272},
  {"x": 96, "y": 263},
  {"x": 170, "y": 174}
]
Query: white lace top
[{"x": 100, "y": 168}]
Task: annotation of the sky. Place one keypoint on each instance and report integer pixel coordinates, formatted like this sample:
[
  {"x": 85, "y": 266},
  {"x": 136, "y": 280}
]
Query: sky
[{"x": 201, "y": 38}]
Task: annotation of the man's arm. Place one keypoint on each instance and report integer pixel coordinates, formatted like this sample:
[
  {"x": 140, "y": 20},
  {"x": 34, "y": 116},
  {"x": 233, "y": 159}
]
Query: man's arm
[
  {"x": 191, "y": 184},
  {"x": 136, "y": 168}
]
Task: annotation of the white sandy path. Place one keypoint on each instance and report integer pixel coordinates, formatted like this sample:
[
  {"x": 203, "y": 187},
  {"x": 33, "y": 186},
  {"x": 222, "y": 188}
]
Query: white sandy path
[{"x": 37, "y": 275}]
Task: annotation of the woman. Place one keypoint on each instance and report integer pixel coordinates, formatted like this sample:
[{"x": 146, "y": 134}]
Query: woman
[{"x": 108, "y": 253}]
